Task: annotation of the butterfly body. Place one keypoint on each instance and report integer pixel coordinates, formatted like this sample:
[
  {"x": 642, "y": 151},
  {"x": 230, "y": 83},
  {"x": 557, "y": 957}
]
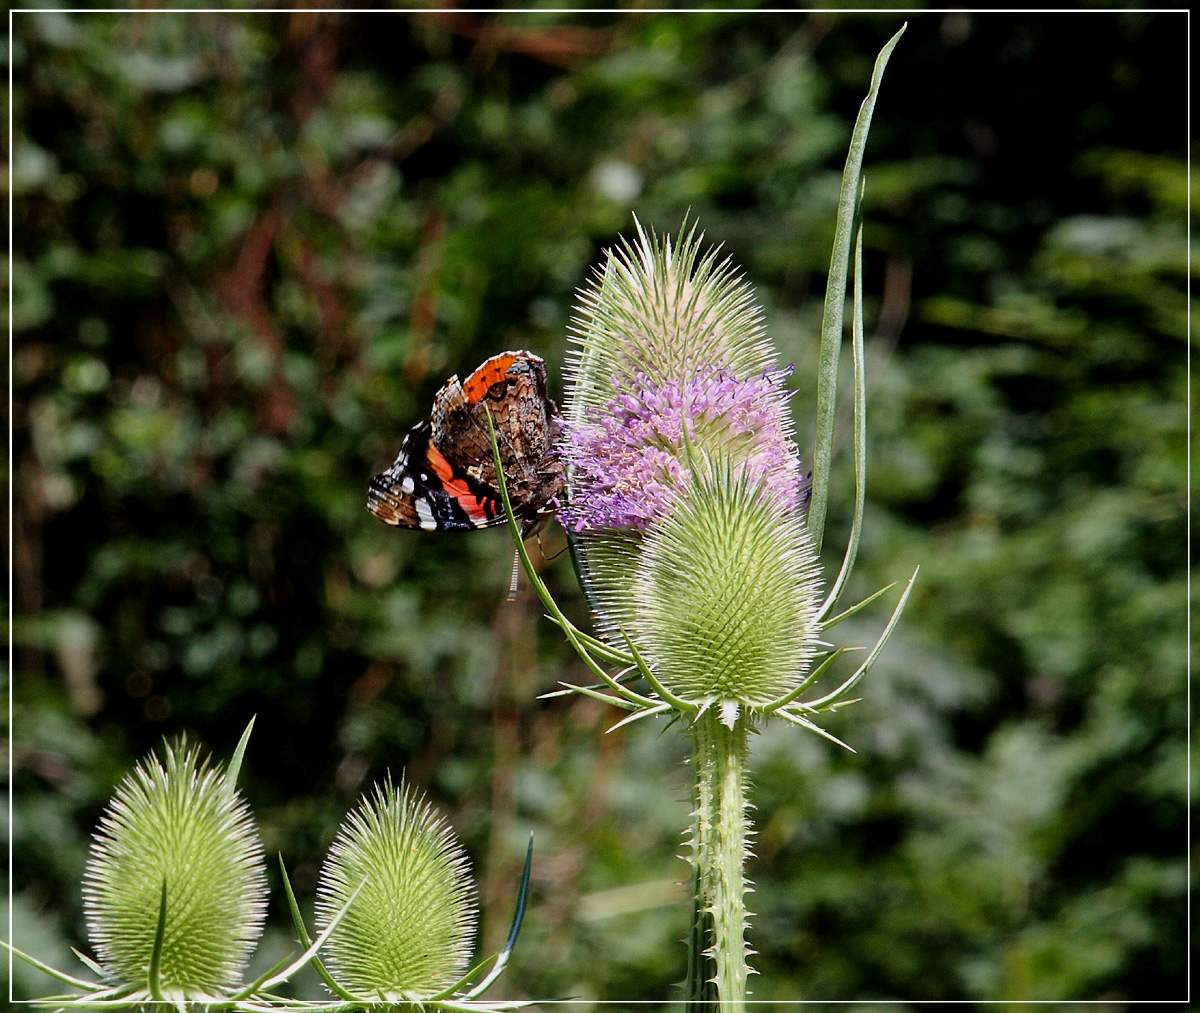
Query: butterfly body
[{"x": 444, "y": 478}]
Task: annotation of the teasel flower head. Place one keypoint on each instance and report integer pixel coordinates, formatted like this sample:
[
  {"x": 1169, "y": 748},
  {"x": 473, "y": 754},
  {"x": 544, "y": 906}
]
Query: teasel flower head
[
  {"x": 686, "y": 503},
  {"x": 686, "y": 493},
  {"x": 401, "y": 884},
  {"x": 175, "y": 887},
  {"x": 693, "y": 535}
]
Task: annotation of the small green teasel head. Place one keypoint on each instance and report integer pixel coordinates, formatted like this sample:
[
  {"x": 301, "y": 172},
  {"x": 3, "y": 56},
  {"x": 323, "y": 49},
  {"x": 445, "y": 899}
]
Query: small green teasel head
[
  {"x": 409, "y": 933},
  {"x": 398, "y": 914},
  {"x": 175, "y": 893},
  {"x": 175, "y": 887},
  {"x": 724, "y": 596}
]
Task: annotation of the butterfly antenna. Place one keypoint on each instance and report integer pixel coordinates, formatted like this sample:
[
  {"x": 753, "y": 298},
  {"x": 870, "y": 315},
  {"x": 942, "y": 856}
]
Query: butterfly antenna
[{"x": 512, "y": 581}]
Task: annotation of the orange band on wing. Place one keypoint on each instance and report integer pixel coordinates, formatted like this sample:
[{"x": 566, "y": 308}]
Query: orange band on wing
[
  {"x": 490, "y": 372},
  {"x": 474, "y": 508},
  {"x": 456, "y": 487}
]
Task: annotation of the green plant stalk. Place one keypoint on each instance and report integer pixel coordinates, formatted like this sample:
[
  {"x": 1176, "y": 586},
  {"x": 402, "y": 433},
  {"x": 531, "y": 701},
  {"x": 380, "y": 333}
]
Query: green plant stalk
[
  {"x": 835, "y": 301},
  {"x": 702, "y": 970},
  {"x": 721, "y": 847},
  {"x": 701, "y": 976}
]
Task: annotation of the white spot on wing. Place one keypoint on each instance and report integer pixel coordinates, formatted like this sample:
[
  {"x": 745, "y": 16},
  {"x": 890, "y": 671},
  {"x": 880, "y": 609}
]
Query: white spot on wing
[
  {"x": 425, "y": 515},
  {"x": 407, "y": 485}
]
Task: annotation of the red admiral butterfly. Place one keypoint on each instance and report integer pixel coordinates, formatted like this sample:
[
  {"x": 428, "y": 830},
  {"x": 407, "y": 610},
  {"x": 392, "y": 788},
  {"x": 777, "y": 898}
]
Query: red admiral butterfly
[{"x": 444, "y": 479}]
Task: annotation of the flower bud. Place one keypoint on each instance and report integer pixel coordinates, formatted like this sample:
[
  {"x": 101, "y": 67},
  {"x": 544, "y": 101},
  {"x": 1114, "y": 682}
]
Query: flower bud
[
  {"x": 408, "y": 933},
  {"x": 177, "y": 822},
  {"x": 725, "y": 595}
]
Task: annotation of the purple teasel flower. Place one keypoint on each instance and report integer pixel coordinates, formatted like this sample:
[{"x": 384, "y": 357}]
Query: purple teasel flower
[{"x": 629, "y": 459}]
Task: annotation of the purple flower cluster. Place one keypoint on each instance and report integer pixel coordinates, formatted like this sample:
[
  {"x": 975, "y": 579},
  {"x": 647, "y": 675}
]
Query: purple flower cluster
[{"x": 629, "y": 460}]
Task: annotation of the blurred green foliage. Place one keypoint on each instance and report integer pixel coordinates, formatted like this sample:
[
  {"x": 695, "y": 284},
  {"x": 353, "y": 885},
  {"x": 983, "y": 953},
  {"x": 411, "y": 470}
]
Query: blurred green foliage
[{"x": 249, "y": 247}]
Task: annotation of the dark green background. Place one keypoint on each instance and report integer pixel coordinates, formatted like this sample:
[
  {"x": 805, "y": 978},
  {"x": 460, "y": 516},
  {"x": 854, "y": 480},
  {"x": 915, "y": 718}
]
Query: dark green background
[{"x": 248, "y": 249}]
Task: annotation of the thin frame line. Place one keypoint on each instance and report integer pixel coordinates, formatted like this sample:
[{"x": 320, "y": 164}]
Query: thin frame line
[
  {"x": 1188, "y": 526},
  {"x": 596, "y": 10},
  {"x": 11, "y": 673},
  {"x": 12, "y": 569}
]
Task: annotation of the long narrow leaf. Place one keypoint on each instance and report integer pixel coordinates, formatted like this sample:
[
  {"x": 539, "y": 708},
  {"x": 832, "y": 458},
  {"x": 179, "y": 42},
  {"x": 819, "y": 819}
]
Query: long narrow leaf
[
  {"x": 293, "y": 907},
  {"x": 514, "y": 929},
  {"x": 317, "y": 943},
  {"x": 92, "y": 966},
  {"x": 542, "y": 592},
  {"x": 305, "y": 941},
  {"x": 659, "y": 688},
  {"x": 598, "y": 647},
  {"x": 662, "y": 708},
  {"x": 235, "y": 764},
  {"x": 860, "y": 436},
  {"x": 587, "y": 691},
  {"x": 260, "y": 982},
  {"x": 534, "y": 577},
  {"x": 628, "y": 694},
  {"x": 462, "y": 982},
  {"x": 812, "y": 726},
  {"x": 627, "y": 675},
  {"x": 835, "y": 301},
  {"x": 854, "y": 609},
  {"x": 812, "y": 677}
]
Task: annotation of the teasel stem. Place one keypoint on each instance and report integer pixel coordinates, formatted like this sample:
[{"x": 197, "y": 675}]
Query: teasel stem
[
  {"x": 702, "y": 968},
  {"x": 721, "y": 834},
  {"x": 701, "y": 981}
]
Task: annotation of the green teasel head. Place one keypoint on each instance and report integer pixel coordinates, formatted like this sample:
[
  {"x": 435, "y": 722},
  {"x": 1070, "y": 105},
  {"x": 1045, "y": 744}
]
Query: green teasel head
[
  {"x": 724, "y": 595},
  {"x": 408, "y": 933},
  {"x": 176, "y": 846}
]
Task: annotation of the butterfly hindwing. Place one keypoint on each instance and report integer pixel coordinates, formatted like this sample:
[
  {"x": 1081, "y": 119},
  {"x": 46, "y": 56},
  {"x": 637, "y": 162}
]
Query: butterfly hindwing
[
  {"x": 423, "y": 490},
  {"x": 443, "y": 478}
]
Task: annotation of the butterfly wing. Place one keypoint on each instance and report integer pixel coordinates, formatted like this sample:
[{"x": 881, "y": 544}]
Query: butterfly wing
[{"x": 422, "y": 489}]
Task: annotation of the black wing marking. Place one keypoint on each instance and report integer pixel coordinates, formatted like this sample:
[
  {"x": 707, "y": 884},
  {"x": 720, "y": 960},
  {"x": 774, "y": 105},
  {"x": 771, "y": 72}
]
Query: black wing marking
[{"x": 422, "y": 490}]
